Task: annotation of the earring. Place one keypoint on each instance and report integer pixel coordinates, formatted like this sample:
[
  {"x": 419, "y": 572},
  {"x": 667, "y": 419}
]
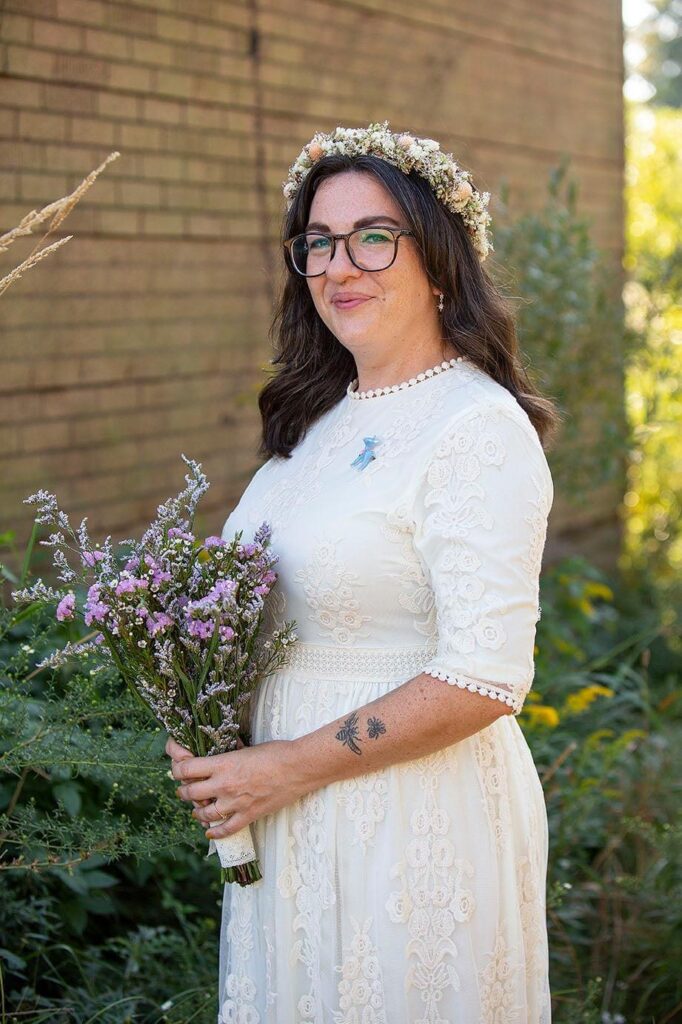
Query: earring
[{"x": 440, "y": 303}]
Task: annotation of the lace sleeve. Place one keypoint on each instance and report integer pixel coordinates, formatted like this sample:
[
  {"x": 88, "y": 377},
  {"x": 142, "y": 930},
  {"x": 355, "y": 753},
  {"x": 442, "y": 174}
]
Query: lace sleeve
[{"x": 481, "y": 511}]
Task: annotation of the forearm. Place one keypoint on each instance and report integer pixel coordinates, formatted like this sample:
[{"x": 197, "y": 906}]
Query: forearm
[{"x": 413, "y": 720}]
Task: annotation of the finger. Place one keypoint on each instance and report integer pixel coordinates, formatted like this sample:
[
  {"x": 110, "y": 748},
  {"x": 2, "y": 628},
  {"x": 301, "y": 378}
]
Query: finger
[
  {"x": 176, "y": 751},
  {"x": 204, "y": 790},
  {"x": 208, "y": 815},
  {"x": 191, "y": 768},
  {"x": 233, "y": 824}
]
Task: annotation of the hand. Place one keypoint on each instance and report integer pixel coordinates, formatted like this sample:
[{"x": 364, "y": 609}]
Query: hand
[
  {"x": 179, "y": 753},
  {"x": 244, "y": 784}
]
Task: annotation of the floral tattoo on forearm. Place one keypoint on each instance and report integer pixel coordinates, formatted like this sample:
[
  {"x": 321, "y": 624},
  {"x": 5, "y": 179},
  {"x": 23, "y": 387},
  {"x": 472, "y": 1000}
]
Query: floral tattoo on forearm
[{"x": 349, "y": 733}]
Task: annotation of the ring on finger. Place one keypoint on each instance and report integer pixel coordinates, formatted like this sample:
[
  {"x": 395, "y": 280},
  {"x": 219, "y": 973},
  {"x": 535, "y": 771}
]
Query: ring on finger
[{"x": 222, "y": 817}]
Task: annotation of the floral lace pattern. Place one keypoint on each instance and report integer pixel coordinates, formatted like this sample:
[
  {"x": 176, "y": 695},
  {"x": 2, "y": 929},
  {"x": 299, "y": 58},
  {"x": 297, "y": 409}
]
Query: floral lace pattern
[
  {"x": 238, "y": 999},
  {"x": 366, "y": 803},
  {"x": 329, "y": 589},
  {"x": 290, "y": 493},
  {"x": 433, "y": 897},
  {"x": 408, "y": 424},
  {"x": 475, "y": 497},
  {"x": 498, "y": 984},
  {"x": 306, "y": 880},
  {"x": 361, "y": 988},
  {"x": 494, "y": 788},
  {"x": 416, "y": 595}
]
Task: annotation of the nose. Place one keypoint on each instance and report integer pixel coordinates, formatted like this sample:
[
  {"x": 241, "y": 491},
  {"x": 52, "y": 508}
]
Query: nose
[{"x": 340, "y": 265}]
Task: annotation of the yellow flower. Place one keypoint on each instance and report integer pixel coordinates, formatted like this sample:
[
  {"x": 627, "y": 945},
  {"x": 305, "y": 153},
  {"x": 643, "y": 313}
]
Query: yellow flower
[
  {"x": 542, "y": 713},
  {"x": 594, "y": 589},
  {"x": 578, "y": 702}
]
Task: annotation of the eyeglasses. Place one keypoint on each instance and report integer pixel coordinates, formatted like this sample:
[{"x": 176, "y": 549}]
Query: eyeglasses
[{"x": 374, "y": 248}]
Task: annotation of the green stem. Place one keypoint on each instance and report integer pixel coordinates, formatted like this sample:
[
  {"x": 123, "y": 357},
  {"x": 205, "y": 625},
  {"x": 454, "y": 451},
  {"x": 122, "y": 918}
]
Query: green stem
[{"x": 27, "y": 555}]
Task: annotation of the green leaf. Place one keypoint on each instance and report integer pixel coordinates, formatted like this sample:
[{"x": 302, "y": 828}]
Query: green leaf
[{"x": 68, "y": 795}]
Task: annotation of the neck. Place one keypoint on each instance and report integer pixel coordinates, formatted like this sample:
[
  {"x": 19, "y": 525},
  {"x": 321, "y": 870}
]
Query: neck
[{"x": 372, "y": 374}]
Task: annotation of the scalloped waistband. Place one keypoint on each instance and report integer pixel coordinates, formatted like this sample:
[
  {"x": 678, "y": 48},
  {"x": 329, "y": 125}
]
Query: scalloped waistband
[{"x": 371, "y": 664}]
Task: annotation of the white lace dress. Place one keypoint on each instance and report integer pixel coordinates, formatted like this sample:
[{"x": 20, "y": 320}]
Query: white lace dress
[{"x": 415, "y": 893}]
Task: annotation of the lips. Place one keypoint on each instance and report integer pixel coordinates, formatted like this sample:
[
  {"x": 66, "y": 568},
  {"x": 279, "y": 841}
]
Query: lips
[{"x": 351, "y": 302}]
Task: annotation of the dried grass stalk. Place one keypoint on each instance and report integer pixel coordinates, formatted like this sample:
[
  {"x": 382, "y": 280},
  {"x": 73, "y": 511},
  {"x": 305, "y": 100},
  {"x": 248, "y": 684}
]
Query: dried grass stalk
[
  {"x": 58, "y": 211},
  {"x": 29, "y": 262}
]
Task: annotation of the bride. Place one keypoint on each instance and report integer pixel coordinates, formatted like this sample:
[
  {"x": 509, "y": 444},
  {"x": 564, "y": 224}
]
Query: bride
[{"x": 397, "y": 813}]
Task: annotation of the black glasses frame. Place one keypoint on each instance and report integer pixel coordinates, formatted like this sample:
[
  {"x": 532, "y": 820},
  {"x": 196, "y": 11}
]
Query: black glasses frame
[{"x": 396, "y": 232}]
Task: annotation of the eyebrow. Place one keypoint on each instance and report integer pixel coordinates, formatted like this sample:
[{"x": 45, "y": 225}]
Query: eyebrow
[{"x": 381, "y": 218}]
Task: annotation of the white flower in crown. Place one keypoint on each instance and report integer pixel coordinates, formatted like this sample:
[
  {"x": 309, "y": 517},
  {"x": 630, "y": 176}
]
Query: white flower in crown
[{"x": 450, "y": 183}]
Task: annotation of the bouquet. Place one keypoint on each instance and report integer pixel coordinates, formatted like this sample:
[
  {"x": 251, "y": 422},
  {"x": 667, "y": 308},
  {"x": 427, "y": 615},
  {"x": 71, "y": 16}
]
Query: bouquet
[{"x": 181, "y": 620}]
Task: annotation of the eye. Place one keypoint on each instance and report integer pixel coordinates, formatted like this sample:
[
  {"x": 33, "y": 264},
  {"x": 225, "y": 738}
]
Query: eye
[{"x": 375, "y": 235}]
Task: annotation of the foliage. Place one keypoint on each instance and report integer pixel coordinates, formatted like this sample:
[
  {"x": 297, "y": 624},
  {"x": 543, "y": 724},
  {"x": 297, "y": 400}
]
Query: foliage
[
  {"x": 570, "y": 324},
  {"x": 603, "y": 721},
  {"x": 97, "y": 854},
  {"x": 653, "y": 296},
  {"x": 109, "y": 911}
]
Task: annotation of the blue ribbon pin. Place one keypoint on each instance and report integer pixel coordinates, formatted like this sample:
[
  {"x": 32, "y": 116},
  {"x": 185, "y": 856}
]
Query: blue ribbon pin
[{"x": 367, "y": 454}]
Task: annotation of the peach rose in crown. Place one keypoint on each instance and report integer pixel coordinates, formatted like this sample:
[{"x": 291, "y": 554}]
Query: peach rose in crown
[
  {"x": 462, "y": 193},
  {"x": 315, "y": 151},
  {"x": 405, "y": 141}
]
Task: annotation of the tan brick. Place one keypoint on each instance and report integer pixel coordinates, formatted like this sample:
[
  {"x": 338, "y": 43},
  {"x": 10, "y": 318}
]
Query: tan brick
[
  {"x": 138, "y": 136},
  {"x": 55, "y": 35},
  {"x": 91, "y": 130},
  {"x": 78, "y": 68},
  {"x": 69, "y": 99},
  {"x": 164, "y": 111},
  {"x": 130, "y": 77},
  {"x": 26, "y": 60},
  {"x": 107, "y": 44},
  {"x": 85, "y": 12},
  {"x": 9, "y": 119},
  {"x": 117, "y": 105},
  {"x": 18, "y": 92},
  {"x": 42, "y": 126},
  {"x": 16, "y": 28},
  {"x": 140, "y": 193},
  {"x": 151, "y": 51},
  {"x": 134, "y": 20}
]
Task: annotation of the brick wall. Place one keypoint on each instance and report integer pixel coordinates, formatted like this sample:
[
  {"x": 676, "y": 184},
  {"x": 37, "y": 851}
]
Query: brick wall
[{"x": 145, "y": 335}]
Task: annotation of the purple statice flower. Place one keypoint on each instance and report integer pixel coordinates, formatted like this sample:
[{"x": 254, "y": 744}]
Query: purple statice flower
[
  {"x": 214, "y": 542},
  {"x": 132, "y": 564},
  {"x": 226, "y": 633},
  {"x": 200, "y": 628},
  {"x": 157, "y": 622},
  {"x": 95, "y": 609},
  {"x": 92, "y": 557},
  {"x": 175, "y": 531},
  {"x": 130, "y": 584},
  {"x": 223, "y": 588},
  {"x": 66, "y": 607}
]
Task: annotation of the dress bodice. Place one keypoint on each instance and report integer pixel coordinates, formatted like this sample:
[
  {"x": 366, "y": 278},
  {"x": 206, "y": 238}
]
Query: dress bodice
[{"x": 435, "y": 536}]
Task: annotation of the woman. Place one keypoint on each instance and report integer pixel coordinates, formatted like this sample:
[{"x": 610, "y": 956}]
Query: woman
[{"x": 400, "y": 821}]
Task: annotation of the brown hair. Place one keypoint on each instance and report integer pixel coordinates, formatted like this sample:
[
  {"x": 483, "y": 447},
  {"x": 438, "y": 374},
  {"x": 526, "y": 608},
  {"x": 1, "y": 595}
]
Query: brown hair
[{"x": 316, "y": 369}]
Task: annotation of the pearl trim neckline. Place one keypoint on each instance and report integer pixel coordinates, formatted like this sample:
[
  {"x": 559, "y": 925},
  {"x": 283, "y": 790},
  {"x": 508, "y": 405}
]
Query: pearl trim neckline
[{"x": 375, "y": 392}]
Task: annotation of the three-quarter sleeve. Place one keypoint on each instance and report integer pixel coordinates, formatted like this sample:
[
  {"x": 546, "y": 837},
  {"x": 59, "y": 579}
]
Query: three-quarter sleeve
[{"x": 480, "y": 511}]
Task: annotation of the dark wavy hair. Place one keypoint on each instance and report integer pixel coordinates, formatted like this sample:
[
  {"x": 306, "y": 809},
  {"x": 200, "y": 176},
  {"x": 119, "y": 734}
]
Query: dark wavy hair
[{"x": 477, "y": 319}]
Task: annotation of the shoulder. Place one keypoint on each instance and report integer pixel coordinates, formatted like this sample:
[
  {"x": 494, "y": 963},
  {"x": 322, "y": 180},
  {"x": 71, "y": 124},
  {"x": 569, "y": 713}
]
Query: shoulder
[{"x": 484, "y": 421}]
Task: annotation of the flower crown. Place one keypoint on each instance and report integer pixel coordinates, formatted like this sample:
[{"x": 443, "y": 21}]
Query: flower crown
[{"x": 451, "y": 184}]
